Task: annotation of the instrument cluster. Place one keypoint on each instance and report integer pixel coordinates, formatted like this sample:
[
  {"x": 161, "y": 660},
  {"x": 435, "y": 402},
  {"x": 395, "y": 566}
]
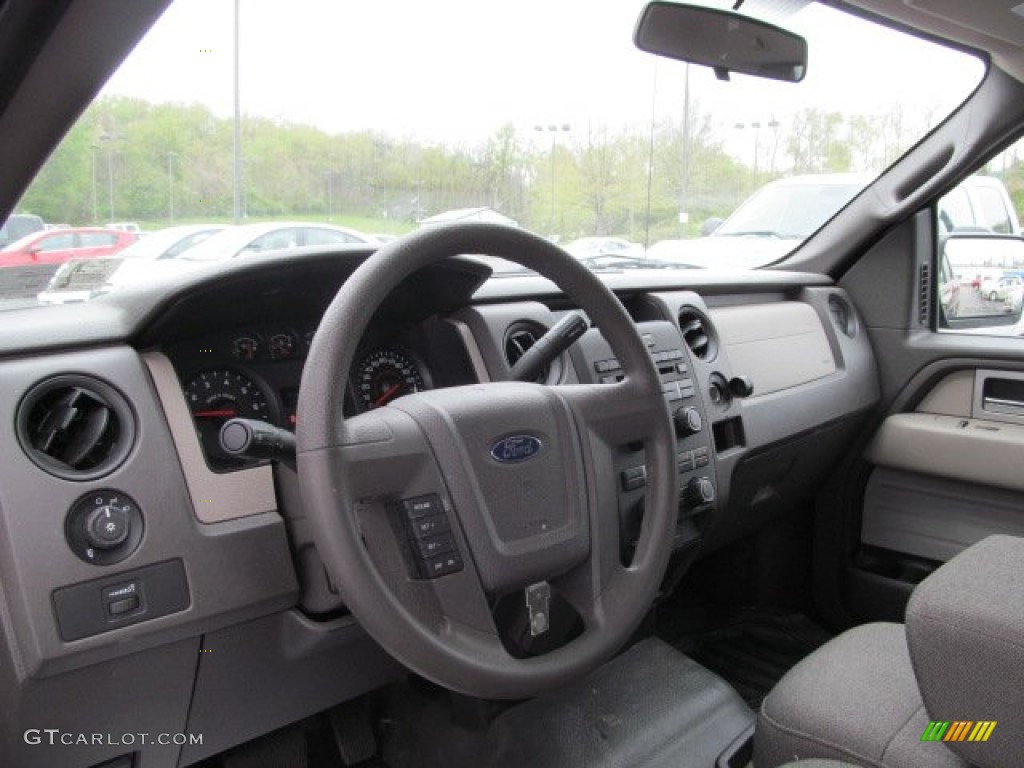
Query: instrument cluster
[{"x": 254, "y": 373}]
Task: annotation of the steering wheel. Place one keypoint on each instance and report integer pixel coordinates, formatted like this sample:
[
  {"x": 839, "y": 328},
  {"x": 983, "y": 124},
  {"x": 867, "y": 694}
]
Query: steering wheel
[{"x": 519, "y": 478}]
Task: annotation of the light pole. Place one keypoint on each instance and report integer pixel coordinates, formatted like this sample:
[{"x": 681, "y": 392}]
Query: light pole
[
  {"x": 110, "y": 138},
  {"x": 329, "y": 175},
  {"x": 94, "y": 148},
  {"x": 170, "y": 186},
  {"x": 553, "y": 129},
  {"x": 756, "y": 125},
  {"x": 237, "y": 142}
]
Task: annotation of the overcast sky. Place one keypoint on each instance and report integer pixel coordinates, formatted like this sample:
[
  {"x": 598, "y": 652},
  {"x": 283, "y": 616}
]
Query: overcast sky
[{"x": 457, "y": 70}]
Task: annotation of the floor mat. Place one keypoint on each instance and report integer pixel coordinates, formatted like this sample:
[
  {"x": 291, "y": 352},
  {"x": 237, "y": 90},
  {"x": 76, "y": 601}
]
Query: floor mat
[{"x": 750, "y": 648}]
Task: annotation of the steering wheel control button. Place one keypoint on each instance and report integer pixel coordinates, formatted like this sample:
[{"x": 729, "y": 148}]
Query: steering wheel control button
[
  {"x": 430, "y": 544},
  {"x": 436, "y": 545},
  {"x": 426, "y": 527},
  {"x": 423, "y": 506},
  {"x": 104, "y": 527},
  {"x": 442, "y": 565}
]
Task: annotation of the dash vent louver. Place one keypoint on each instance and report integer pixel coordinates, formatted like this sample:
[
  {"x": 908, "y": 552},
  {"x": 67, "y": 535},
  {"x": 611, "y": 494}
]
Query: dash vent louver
[
  {"x": 519, "y": 337},
  {"x": 698, "y": 333},
  {"x": 75, "y": 427}
]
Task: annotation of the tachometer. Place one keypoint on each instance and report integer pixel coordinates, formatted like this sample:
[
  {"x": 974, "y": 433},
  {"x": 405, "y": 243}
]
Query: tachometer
[
  {"x": 384, "y": 375},
  {"x": 217, "y": 395}
]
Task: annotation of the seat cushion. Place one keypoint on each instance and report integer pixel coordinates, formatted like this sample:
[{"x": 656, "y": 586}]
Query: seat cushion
[
  {"x": 855, "y": 700},
  {"x": 817, "y": 763}
]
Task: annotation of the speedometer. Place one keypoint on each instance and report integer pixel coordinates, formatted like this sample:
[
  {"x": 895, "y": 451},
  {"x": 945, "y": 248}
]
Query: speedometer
[{"x": 386, "y": 374}]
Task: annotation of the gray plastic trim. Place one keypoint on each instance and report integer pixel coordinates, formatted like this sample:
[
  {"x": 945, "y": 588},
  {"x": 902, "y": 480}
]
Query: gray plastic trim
[
  {"x": 934, "y": 517},
  {"x": 973, "y": 450},
  {"x": 215, "y": 497},
  {"x": 237, "y": 570},
  {"x": 472, "y": 349},
  {"x": 950, "y": 397},
  {"x": 779, "y": 345}
]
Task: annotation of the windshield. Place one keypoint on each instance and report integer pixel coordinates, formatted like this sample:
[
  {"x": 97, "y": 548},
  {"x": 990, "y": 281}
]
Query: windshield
[{"x": 557, "y": 124}]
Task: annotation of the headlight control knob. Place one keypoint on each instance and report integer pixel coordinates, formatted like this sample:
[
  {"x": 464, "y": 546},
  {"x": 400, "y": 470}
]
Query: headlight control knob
[
  {"x": 104, "y": 526},
  {"x": 107, "y": 527}
]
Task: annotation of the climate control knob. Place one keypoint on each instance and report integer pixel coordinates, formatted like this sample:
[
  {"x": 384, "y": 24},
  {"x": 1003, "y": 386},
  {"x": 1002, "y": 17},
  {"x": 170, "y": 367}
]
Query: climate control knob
[
  {"x": 699, "y": 491},
  {"x": 687, "y": 421}
]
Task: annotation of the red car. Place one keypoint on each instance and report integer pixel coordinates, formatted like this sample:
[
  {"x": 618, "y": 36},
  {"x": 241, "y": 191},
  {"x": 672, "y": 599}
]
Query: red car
[{"x": 56, "y": 246}]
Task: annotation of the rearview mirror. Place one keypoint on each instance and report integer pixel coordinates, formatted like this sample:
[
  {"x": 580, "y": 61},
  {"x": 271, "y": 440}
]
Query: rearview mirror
[{"x": 723, "y": 40}]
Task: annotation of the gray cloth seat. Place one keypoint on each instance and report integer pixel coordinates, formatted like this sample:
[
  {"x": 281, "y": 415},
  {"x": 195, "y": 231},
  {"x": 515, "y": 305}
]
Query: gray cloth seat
[
  {"x": 866, "y": 697},
  {"x": 856, "y": 700},
  {"x": 816, "y": 763}
]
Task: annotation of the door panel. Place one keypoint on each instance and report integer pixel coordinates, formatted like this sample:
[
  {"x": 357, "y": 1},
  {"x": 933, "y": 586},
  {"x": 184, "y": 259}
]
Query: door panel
[{"x": 941, "y": 464}]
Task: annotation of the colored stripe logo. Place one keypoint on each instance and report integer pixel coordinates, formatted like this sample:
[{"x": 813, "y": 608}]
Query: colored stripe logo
[{"x": 958, "y": 730}]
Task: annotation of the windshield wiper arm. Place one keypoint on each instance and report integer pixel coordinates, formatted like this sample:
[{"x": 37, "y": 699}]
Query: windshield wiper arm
[{"x": 754, "y": 233}]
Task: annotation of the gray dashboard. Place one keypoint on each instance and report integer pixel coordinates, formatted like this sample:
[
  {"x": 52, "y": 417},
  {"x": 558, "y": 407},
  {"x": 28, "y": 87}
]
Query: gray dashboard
[{"x": 219, "y": 583}]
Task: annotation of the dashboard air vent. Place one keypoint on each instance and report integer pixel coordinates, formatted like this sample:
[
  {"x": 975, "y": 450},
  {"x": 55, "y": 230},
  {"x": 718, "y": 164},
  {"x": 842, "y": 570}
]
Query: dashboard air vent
[
  {"x": 519, "y": 337},
  {"x": 75, "y": 427},
  {"x": 842, "y": 316},
  {"x": 698, "y": 333}
]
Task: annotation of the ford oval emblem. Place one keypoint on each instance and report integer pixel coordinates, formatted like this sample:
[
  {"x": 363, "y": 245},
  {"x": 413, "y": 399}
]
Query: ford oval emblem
[{"x": 516, "y": 448}]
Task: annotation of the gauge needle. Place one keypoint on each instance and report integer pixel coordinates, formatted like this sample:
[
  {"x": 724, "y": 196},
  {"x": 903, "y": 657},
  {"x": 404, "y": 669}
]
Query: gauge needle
[
  {"x": 387, "y": 395},
  {"x": 224, "y": 413}
]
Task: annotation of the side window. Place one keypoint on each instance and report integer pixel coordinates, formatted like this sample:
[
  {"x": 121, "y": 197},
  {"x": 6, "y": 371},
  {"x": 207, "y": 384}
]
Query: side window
[
  {"x": 993, "y": 212},
  {"x": 317, "y": 236},
  {"x": 57, "y": 243},
  {"x": 96, "y": 240},
  {"x": 955, "y": 211},
  {"x": 272, "y": 241},
  {"x": 184, "y": 244}
]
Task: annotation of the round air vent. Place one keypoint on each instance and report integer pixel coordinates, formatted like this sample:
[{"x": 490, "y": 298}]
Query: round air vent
[
  {"x": 522, "y": 335},
  {"x": 698, "y": 333},
  {"x": 75, "y": 427},
  {"x": 842, "y": 315}
]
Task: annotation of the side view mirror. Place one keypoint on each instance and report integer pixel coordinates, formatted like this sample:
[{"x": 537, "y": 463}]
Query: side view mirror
[
  {"x": 981, "y": 280},
  {"x": 726, "y": 41}
]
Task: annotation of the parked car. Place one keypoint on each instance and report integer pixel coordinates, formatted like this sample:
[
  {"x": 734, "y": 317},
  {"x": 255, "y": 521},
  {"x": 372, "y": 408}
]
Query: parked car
[
  {"x": 57, "y": 246},
  {"x": 996, "y": 289},
  {"x": 979, "y": 204},
  {"x": 149, "y": 259},
  {"x": 272, "y": 236},
  {"x": 783, "y": 213},
  {"x": 125, "y": 226},
  {"x": 19, "y": 225}
]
